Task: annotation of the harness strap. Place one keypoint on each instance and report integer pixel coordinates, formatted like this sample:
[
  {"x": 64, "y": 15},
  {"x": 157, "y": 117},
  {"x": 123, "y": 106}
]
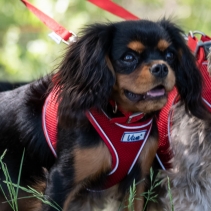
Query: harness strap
[
  {"x": 164, "y": 153},
  {"x": 199, "y": 48},
  {"x": 114, "y": 9}
]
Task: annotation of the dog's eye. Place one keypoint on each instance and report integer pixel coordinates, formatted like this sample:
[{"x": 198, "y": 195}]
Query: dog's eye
[
  {"x": 169, "y": 56},
  {"x": 128, "y": 58}
]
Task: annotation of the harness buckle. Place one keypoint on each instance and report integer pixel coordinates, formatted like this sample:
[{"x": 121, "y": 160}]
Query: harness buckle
[
  {"x": 135, "y": 117},
  {"x": 206, "y": 45}
]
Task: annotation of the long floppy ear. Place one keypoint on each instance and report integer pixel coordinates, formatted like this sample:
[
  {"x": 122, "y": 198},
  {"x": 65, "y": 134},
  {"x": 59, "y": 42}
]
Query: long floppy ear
[
  {"x": 188, "y": 76},
  {"x": 84, "y": 77}
]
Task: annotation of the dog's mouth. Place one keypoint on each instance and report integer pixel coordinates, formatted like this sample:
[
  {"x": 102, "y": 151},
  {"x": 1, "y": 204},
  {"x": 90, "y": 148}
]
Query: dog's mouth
[{"x": 155, "y": 93}]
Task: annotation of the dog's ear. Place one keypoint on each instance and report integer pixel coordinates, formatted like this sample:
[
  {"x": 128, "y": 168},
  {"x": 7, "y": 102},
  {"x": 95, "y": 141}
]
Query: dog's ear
[
  {"x": 86, "y": 76},
  {"x": 188, "y": 76}
]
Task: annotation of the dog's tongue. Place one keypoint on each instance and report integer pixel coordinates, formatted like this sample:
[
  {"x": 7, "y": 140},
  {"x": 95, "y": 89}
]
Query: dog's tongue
[{"x": 157, "y": 92}]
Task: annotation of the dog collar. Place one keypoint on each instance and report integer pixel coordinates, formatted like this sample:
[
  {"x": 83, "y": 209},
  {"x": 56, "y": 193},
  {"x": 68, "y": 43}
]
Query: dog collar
[{"x": 124, "y": 140}]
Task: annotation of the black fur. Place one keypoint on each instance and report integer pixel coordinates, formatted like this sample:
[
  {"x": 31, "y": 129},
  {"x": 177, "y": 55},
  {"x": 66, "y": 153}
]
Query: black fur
[{"x": 84, "y": 80}]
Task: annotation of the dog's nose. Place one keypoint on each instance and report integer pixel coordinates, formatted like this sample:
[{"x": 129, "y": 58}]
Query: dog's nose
[{"x": 159, "y": 70}]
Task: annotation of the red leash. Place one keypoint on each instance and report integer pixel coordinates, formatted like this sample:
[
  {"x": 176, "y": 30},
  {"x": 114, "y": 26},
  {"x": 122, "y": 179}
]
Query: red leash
[
  {"x": 62, "y": 34},
  {"x": 115, "y": 9}
]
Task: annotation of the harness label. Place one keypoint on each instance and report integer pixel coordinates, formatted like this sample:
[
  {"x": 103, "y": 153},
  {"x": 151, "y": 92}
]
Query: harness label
[{"x": 133, "y": 136}]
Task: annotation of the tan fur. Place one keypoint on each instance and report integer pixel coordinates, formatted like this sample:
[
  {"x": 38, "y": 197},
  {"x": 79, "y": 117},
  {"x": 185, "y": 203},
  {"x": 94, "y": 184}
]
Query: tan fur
[
  {"x": 145, "y": 160},
  {"x": 140, "y": 81},
  {"x": 136, "y": 46},
  {"x": 163, "y": 45},
  {"x": 91, "y": 162},
  {"x": 88, "y": 164},
  {"x": 148, "y": 154},
  {"x": 112, "y": 198}
]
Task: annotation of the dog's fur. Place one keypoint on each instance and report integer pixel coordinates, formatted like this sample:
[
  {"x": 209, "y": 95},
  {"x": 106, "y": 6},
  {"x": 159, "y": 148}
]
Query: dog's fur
[
  {"x": 5, "y": 86},
  {"x": 190, "y": 176},
  {"x": 109, "y": 61}
]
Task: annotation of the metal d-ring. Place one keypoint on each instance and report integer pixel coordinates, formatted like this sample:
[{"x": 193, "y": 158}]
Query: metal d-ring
[
  {"x": 115, "y": 107},
  {"x": 192, "y": 33}
]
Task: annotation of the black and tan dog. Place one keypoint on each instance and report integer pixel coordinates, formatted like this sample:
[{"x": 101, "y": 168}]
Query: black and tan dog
[{"x": 117, "y": 70}]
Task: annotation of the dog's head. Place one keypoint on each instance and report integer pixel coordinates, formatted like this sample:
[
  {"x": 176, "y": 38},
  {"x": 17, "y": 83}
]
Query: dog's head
[{"x": 135, "y": 63}]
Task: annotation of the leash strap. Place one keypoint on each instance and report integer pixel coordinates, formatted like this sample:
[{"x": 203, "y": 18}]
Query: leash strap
[
  {"x": 115, "y": 9},
  {"x": 61, "y": 32}
]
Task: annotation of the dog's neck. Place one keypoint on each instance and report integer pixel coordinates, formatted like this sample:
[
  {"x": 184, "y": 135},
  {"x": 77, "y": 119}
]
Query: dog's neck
[{"x": 119, "y": 115}]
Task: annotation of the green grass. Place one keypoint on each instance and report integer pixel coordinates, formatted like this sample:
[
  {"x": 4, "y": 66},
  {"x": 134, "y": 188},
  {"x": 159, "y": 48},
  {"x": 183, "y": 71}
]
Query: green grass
[
  {"x": 151, "y": 195},
  {"x": 170, "y": 195},
  {"x": 13, "y": 192},
  {"x": 13, "y": 189}
]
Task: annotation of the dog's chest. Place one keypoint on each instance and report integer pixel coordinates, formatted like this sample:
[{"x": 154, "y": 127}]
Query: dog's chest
[{"x": 125, "y": 141}]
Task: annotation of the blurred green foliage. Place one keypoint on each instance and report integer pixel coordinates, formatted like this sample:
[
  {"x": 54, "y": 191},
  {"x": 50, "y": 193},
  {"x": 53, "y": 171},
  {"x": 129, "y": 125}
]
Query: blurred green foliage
[{"x": 26, "y": 52}]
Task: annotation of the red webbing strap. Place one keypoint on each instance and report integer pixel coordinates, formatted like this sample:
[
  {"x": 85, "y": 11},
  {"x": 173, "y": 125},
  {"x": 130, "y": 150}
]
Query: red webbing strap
[
  {"x": 49, "y": 22},
  {"x": 164, "y": 152},
  {"x": 206, "y": 91},
  {"x": 192, "y": 43},
  {"x": 64, "y": 33},
  {"x": 205, "y": 38},
  {"x": 115, "y": 9},
  {"x": 202, "y": 65}
]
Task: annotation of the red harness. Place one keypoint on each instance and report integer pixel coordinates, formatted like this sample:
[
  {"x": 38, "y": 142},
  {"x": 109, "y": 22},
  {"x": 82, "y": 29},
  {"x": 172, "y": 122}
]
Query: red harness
[
  {"x": 164, "y": 153},
  {"x": 125, "y": 141}
]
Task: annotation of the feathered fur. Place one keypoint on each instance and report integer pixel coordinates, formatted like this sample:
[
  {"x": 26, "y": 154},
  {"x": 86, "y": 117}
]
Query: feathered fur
[
  {"x": 190, "y": 176},
  {"x": 124, "y": 62}
]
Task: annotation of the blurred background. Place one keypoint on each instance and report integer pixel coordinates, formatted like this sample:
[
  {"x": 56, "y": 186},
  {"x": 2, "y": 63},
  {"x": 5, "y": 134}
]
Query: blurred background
[{"x": 27, "y": 53}]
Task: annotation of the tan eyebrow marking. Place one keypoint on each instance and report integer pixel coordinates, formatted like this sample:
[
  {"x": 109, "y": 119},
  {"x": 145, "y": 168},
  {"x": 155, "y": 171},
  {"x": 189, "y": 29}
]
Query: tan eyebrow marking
[
  {"x": 136, "y": 46},
  {"x": 162, "y": 45}
]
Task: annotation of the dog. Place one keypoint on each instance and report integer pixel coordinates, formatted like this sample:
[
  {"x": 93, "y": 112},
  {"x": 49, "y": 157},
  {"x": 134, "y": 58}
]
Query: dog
[
  {"x": 116, "y": 74},
  {"x": 186, "y": 185},
  {"x": 5, "y": 86}
]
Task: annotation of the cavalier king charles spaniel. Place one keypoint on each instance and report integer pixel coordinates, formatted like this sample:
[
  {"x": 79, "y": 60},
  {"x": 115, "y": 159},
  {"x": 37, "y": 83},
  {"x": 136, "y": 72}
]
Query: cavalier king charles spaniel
[{"x": 89, "y": 129}]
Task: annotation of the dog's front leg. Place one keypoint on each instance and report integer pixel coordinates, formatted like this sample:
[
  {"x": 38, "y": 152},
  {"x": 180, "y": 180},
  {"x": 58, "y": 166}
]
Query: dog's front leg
[
  {"x": 145, "y": 161},
  {"x": 70, "y": 174}
]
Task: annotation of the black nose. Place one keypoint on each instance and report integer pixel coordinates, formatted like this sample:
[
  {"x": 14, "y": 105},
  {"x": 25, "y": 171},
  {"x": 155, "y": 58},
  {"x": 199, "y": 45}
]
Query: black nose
[{"x": 159, "y": 70}]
